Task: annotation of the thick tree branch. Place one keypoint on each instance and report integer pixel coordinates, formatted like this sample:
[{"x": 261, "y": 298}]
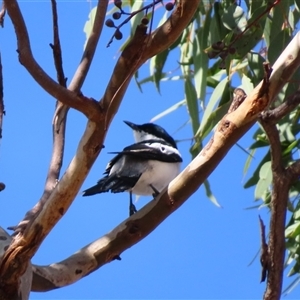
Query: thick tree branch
[
  {"x": 85, "y": 105},
  {"x": 25, "y": 244},
  {"x": 138, "y": 226},
  {"x": 280, "y": 195},
  {"x": 10, "y": 292}
]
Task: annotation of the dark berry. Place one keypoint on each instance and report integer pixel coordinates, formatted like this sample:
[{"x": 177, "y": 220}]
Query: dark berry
[
  {"x": 218, "y": 45},
  {"x": 169, "y": 6},
  {"x": 109, "y": 23},
  {"x": 116, "y": 15},
  {"x": 2, "y": 186},
  {"x": 223, "y": 54},
  {"x": 212, "y": 54},
  {"x": 118, "y": 34},
  {"x": 118, "y": 3},
  {"x": 145, "y": 21}
]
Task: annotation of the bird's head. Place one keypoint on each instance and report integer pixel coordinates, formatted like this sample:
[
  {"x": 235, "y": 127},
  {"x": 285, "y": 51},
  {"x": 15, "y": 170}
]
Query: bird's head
[{"x": 150, "y": 131}]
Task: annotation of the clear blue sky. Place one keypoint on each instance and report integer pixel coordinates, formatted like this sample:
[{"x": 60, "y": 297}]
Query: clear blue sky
[{"x": 200, "y": 251}]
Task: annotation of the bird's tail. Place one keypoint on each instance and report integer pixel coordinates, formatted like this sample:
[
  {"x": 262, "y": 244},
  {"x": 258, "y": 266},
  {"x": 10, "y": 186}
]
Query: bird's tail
[{"x": 96, "y": 189}]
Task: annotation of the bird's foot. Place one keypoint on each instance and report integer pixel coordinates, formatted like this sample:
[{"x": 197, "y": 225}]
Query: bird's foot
[
  {"x": 132, "y": 209},
  {"x": 156, "y": 192}
]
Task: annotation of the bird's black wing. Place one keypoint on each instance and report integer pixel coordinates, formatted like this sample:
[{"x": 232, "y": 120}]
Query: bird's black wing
[
  {"x": 150, "y": 150},
  {"x": 114, "y": 183}
]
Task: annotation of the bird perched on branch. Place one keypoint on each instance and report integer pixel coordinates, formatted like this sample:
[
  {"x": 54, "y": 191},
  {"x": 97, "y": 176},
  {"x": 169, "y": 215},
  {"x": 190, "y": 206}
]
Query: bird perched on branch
[{"x": 143, "y": 168}]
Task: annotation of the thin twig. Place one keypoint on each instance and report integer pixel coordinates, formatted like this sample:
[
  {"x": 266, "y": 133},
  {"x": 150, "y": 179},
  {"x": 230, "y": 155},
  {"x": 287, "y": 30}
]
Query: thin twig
[
  {"x": 288, "y": 105},
  {"x": 85, "y": 62},
  {"x": 87, "y": 106},
  {"x": 56, "y": 47},
  {"x": 2, "y": 110},
  {"x": 58, "y": 137},
  {"x": 264, "y": 255},
  {"x": 132, "y": 14}
]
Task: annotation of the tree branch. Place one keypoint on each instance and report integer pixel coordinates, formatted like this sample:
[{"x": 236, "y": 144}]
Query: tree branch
[
  {"x": 276, "y": 114},
  {"x": 58, "y": 137},
  {"x": 76, "y": 83},
  {"x": 25, "y": 244},
  {"x": 264, "y": 253},
  {"x": 56, "y": 47},
  {"x": 2, "y": 111},
  {"x": 86, "y": 60},
  {"x": 85, "y": 105},
  {"x": 280, "y": 195},
  {"x": 10, "y": 292},
  {"x": 138, "y": 226}
]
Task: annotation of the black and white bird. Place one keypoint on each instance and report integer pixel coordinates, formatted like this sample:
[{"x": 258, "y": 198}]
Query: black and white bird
[{"x": 143, "y": 168}]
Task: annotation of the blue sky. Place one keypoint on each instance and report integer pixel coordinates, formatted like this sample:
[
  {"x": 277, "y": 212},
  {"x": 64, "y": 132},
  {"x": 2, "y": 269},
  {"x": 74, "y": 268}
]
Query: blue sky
[{"x": 200, "y": 251}]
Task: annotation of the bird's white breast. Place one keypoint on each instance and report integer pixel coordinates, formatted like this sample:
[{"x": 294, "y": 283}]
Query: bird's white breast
[{"x": 158, "y": 174}]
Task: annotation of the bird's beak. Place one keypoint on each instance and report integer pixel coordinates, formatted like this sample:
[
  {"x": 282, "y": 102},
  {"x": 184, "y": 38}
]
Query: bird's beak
[{"x": 131, "y": 125}]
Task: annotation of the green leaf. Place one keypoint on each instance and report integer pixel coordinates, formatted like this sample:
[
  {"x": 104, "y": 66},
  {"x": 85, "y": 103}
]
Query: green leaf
[
  {"x": 88, "y": 26},
  {"x": 213, "y": 119},
  {"x": 297, "y": 4},
  {"x": 259, "y": 144},
  {"x": 278, "y": 44},
  {"x": 158, "y": 61},
  {"x": 247, "y": 85},
  {"x": 136, "y": 20},
  {"x": 168, "y": 111},
  {"x": 217, "y": 28},
  {"x": 234, "y": 18},
  {"x": 253, "y": 35},
  {"x": 265, "y": 180},
  {"x": 209, "y": 194},
  {"x": 200, "y": 58},
  {"x": 293, "y": 230},
  {"x": 291, "y": 286},
  {"x": 206, "y": 120},
  {"x": 291, "y": 147},
  {"x": 279, "y": 11},
  {"x": 255, "y": 177},
  {"x": 296, "y": 215},
  {"x": 156, "y": 67},
  {"x": 256, "y": 66},
  {"x": 248, "y": 161},
  {"x": 192, "y": 103}
]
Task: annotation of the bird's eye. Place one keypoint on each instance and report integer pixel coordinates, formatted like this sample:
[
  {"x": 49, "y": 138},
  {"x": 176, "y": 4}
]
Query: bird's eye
[{"x": 163, "y": 148}]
